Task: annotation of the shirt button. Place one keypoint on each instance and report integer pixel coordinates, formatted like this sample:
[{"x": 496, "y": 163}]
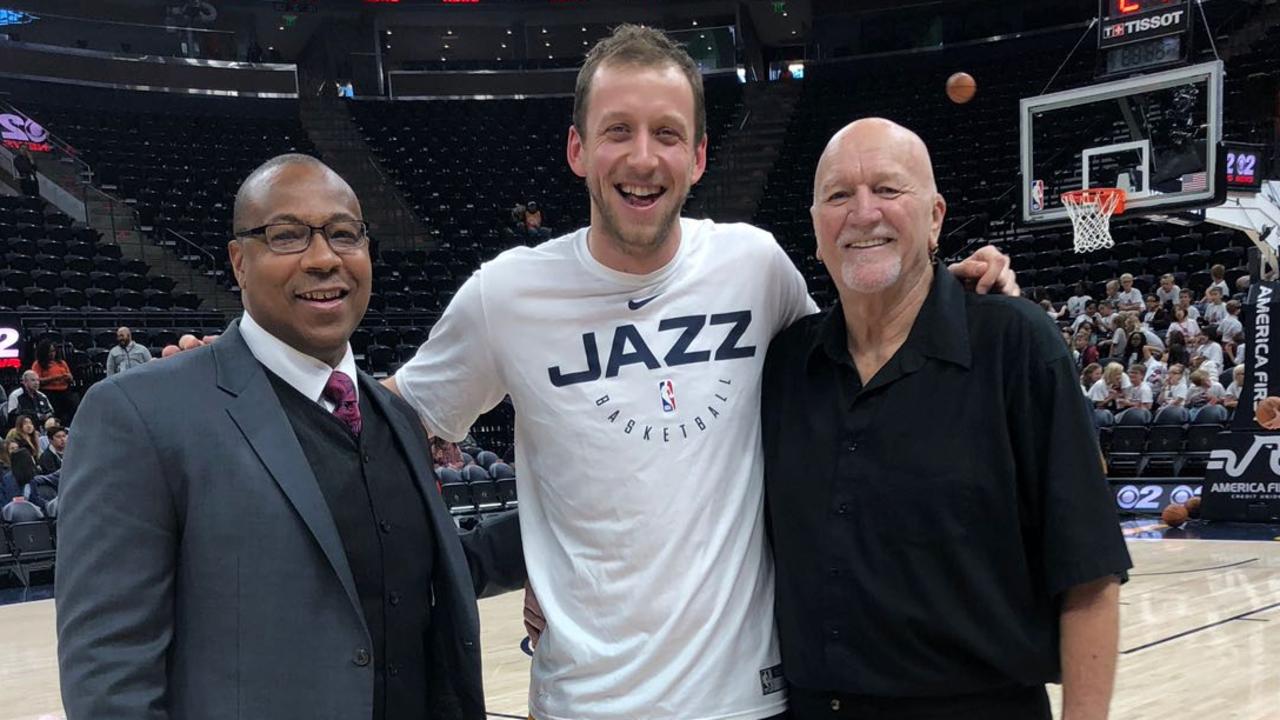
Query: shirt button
[
  {"x": 361, "y": 657},
  {"x": 853, "y": 447},
  {"x": 835, "y": 634},
  {"x": 385, "y": 527},
  {"x": 834, "y": 571},
  {"x": 843, "y": 509},
  {"x": 835, "y": 705},
  {"x": 393, "y": 669},
  {"x": 394, "y": 598},
  {"x": 367, "y": 459}
]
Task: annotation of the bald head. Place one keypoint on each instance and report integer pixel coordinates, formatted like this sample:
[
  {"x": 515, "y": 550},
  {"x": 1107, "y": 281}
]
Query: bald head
[
  {"x": 882, "y": 136},
  {"x": 250, "y": 196}
]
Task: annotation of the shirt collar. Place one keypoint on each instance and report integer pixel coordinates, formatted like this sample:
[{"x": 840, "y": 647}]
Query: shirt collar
[
  {"x": 304, "y": 373},
  {"x": 940, "y": 331}
]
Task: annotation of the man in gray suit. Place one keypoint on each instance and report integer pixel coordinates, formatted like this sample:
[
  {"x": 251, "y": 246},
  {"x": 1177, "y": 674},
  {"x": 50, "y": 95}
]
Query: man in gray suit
[{"x": 252, "y": 529}]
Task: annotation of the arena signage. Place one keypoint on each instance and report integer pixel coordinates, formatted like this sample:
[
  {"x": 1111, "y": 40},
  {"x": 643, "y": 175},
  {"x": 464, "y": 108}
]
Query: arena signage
[
  {"x": 11, "y": 344},
  {"x": 18, "y": 132},
  {"x": 1131, "y": 29},
  {"x": 1145, "y": 497},
  {"x": 1242, "y": 481}
]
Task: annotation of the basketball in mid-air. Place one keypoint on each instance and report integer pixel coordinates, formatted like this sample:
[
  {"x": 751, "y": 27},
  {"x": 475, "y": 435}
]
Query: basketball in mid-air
[{"x": 960, "y": 87}]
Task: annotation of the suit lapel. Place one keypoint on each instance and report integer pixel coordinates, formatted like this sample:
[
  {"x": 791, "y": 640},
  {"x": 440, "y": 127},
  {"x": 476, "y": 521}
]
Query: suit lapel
[{"x": 257, "y": 412}]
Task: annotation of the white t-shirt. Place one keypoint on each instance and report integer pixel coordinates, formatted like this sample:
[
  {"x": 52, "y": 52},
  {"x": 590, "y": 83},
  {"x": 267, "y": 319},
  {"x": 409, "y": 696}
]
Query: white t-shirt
[
  {"x": 1221, "y": 285},
  {"x": 1193, "y": 312},
  {"x": 1171, "y": 296},
  {"x": 1228, "y": 326},
  {"x": 1174, "y": 392},
  {"x": 1076, "y": 304},
  {"x": 1212, "y": 354},
  {"x": 1100, "y": 390},
  {"x": 638, "y": 437},
  {"x": 1234, "y": 390},
  {"x": 1214, "y": 312},
  {"x": 1140, "y": 393},
  {"x": 1188, "y": 328},
  {"x": 1132, "y": 296}
]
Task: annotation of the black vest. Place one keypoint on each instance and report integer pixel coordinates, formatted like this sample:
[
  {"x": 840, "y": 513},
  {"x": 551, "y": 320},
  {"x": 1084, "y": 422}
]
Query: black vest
[{"x": 382, "y": 519}]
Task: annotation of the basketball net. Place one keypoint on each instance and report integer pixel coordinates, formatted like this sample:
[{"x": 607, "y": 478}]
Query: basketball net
[{"x": 1090, "y": 212}]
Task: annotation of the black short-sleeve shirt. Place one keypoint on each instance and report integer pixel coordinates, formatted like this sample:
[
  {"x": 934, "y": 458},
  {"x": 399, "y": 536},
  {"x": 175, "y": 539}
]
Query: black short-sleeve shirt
[{"x": 926, "y": 524}]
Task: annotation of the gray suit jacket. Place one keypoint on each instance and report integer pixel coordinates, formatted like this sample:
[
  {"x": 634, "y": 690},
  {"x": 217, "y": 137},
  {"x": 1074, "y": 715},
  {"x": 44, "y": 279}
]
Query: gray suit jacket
[{"x": 200, "y": 574}]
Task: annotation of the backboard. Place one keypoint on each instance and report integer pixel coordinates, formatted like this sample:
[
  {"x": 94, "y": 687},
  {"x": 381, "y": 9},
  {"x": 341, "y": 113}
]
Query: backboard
[{"x": 1155, "y": 136}]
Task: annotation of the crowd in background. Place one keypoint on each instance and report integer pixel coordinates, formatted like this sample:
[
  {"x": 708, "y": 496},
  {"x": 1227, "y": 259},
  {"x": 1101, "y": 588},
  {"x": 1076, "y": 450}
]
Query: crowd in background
[{"x": 1165, "y": 348}]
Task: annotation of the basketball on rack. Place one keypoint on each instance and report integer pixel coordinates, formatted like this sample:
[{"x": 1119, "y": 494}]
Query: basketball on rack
[{"x": 961, "y": 87}]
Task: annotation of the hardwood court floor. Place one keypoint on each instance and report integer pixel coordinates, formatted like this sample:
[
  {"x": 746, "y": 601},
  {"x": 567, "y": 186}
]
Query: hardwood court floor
[{"x": 1200, "y": 639}]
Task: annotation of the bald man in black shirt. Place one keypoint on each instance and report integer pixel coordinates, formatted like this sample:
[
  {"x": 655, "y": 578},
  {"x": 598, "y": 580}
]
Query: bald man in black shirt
[{"x": 945, "y": 540}]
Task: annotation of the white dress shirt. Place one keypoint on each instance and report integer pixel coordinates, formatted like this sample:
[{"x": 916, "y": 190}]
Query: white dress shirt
[{"x": 304, "y": 373}]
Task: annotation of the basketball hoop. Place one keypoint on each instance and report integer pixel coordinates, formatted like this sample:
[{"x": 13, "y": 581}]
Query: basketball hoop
[{"x": 1091, "y": 210}]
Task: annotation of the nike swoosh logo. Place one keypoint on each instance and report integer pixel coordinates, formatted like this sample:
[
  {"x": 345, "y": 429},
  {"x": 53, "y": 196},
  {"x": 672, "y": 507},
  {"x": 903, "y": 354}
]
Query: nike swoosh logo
[{"x": 637, "y": 304}]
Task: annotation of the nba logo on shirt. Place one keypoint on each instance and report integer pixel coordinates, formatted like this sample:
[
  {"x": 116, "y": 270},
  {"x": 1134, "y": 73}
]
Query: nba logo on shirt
[{"x": 667, "y": 391}]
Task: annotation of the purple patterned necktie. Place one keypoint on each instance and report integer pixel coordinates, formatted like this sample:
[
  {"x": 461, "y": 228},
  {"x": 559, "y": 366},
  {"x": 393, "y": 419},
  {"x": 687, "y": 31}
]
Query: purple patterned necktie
[{"x": 342, "y": 393}]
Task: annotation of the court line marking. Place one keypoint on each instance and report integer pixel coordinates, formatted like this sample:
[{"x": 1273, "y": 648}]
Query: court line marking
[
  {"x": 504, "y": 715},
  {"x": 1192, "y": 631},
  {"x": 1193, "y": 570}
]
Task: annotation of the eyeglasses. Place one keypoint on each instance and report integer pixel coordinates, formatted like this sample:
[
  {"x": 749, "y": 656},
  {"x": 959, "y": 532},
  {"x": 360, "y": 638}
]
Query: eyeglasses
[{"x": 344, "y": 236}]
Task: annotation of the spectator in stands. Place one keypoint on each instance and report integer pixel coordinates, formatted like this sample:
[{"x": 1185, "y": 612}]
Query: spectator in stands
[
  {"x": 639, "y": 124},
  {"x": 24, "y": 431},
  {"x": 1107, "y": 392},
  {"x": 1184, "y": 302},
  {"x": 1242, "y": 289},
  {"x": 1089, "y": 377},
  {"x": 1107, "y": 318},
  {"x": 1236, "y": 389},
  {"x": 127, "y": 353},
  {"x": 1054, "y": 314},
  {"x": 1112, "y": 296},
  {"x": 445, "y": 454},
  {"x": 1078, "y": 303},
  {"x": 1168, "y": 291},
  {"x": 1138, "y": 394},
  {"x": 48, "y": 425},
  {"x": 1156, "y": 318},
  {"x": 27, "y": 399},
  {"x": 1214, "y": 308},
  {"x": 1156, "y": 372},
  {"x": 261, "y": 467},
  {"x": 1086, "y": 353},
  {"x": 1174, "y": 392},
  {"x": 19, "y": 468},
  {"x": 1230, "y": 326},
  {"x": 1211, "y": 350},
  {"x": 1129, "y": 298},
  {"x": 24, "y": 165},
  {"x": 1204, "y": 390},
  {"x": 1135, "y": 350},
  {"x": 56, "y": 380},
  {"x": 51, "y": 458},
  {"x": 1089, "y": 315},
  {"x": 169, "y": 351},
  {"x": 847, "y": 370},
  {"x": 533, "y": 222},
  {"x": 1183, "y": 325},
  {"x": 1219, "y": 275}
]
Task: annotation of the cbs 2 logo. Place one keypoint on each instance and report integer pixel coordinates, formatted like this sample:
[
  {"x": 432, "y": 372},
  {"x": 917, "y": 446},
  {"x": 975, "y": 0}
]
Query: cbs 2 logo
[
  {"x": 21, "y": 129},
  {"x": 1147, "y": 497}
]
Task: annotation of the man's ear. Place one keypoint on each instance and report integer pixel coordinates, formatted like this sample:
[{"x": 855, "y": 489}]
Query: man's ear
[{"x": 575, "y": 153}]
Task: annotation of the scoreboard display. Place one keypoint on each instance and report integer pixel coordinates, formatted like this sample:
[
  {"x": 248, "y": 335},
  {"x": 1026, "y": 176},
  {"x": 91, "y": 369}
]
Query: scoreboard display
[{"x": 1135, "y": 35}]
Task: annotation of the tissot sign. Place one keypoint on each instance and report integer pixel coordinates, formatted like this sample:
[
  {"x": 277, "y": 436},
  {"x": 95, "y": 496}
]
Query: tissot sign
[
  {"x": 1158, "y": 22},
  {"x": 17, "y": 132}
]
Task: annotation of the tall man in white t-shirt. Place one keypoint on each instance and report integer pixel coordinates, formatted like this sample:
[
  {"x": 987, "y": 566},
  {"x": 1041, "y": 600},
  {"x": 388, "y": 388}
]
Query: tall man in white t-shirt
[{"x": 632, "y": 351}]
